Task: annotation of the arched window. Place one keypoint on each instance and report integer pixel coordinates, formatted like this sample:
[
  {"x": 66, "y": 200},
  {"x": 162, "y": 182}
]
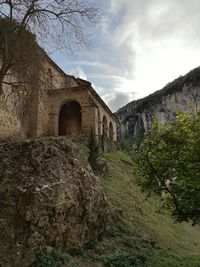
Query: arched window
[
  {"x": 50, "y": 77},
  {"x": 111, "y": 132},
  {"x": 105, "y": 126},
  {"x": 70, "y": 119},
  {"x": 99, "y": 124}
]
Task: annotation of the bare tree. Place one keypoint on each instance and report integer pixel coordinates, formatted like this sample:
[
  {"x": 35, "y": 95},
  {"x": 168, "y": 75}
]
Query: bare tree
[{"x": 59, "y": 23}]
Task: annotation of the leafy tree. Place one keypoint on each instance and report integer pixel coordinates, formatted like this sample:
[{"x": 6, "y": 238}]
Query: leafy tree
[
  {"x": 169, "y": 163},
  {"x": 58, "y": 23}
]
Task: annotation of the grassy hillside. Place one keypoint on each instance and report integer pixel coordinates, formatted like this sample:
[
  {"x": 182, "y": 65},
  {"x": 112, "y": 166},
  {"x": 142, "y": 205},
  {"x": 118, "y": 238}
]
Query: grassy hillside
[
  {"x": 138, "y": 235},
  {"x": 165, "y": 242}
]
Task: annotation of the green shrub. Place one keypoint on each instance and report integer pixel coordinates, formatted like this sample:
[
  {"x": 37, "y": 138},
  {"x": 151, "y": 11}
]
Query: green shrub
[
  {"x": 55, "y": 259},
  {"x": 125, "y": 259},
  {"x": 124, "y": 145}
]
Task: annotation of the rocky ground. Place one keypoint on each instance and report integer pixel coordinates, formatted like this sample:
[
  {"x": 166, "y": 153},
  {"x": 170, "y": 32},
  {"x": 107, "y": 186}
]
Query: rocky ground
[{"x": 49, "y": 197}]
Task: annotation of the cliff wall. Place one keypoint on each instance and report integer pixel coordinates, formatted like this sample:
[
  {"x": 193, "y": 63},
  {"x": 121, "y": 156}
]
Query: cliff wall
[{"x": 181, "y": 95}]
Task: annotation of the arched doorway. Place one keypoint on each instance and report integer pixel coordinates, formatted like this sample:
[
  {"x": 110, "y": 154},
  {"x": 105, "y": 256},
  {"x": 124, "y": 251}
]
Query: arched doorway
[
  {"x": 70, "y": 119},
  {"x": 111, "y": 132},
  {"x": 105, "y": 126}
]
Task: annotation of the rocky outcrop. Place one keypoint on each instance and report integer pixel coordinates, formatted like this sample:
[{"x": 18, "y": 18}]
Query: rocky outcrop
[
  {"x": 183, "y": 94},
  {"x": 49, "y": 197}
]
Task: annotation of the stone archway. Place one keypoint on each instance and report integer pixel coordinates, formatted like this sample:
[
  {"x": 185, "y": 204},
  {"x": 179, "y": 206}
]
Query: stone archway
[
  {"x": 99, "y": 124},
  {"x": 105, "y": 126},
  {"x": 70, "y": 119},
  {"x": 111, "y": 132}
]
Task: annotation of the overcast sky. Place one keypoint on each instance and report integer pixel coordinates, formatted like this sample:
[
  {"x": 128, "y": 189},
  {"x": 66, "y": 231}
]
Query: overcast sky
[{"x": 139, "y": 46}]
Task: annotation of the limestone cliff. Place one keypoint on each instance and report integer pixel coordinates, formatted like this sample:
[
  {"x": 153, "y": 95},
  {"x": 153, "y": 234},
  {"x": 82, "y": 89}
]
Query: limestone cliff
[
  {"x": 182, "y": 94},
  {"x": 49, "y": 197}
]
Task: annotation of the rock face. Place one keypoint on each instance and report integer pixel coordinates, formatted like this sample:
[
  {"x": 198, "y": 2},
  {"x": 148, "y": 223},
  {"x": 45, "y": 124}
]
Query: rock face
[
  {"x": 49, "y": 197},
  {"x": 183, "y": 94}
]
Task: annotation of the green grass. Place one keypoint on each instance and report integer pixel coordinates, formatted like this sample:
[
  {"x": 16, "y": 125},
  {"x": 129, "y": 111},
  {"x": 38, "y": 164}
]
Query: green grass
[
  {"x": 137, "y": 235},
  {"x": 165, "y": 242}
]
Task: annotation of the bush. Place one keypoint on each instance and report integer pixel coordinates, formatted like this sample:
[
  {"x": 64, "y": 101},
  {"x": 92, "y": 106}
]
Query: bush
[
  {"x": 124, "y": 145},
  {"x": 125, "y": 259},
  {"x": 55, "y": 259}
]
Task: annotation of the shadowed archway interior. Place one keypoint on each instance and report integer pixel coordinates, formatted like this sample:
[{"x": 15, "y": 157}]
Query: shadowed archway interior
[
  {"x": 111, "y": 132},
  {"x": 70, "y": 119},
  {"x": 105, "y": 126}
]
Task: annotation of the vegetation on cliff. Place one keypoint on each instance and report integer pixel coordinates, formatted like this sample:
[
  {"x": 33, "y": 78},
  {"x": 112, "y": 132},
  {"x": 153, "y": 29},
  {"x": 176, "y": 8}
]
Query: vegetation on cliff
[
  {"x": 191, "y": 78},
  {"x": 137, "y": 118}
]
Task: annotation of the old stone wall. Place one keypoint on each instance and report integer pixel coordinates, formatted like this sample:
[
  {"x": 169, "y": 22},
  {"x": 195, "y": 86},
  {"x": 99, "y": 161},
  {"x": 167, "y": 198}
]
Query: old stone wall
[
  {"x": 105, "y": 121},
  {"x": 39, "y": 113},
  {"x": 10, "y": 126},
  {"x": 64, "y": 89},
  {"x": 111, "y": 132},
  {"x": 59, "y": 97},
  {"x": 53, "y": 79}
]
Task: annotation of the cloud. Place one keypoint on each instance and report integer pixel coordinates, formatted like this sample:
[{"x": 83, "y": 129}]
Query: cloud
[
  {"x": 98, "y": 89},
  {"x": 79, "y": 73},
  {"x": 118, "y": 99},
  {"x": 138, "y": 47},
  {"x": 165, "y": 40}
]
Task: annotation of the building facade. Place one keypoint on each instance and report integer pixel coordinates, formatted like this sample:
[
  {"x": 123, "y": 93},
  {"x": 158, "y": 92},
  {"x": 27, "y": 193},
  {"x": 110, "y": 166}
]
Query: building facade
[{"x": 67, "y": 107}]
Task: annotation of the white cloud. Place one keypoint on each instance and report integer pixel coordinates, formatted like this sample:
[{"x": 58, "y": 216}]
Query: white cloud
[
  {"x": 139, "y": 47},
  {"x": 79, "y": 73},
  {"x": 98, "y": 89},
  {"x": 117, "y": 100},
  {"x": 164, "y": 37}
]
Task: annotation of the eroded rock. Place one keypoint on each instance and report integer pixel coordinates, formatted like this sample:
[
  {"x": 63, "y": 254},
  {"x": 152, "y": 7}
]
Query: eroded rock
[{"x": 49, "y": 197}]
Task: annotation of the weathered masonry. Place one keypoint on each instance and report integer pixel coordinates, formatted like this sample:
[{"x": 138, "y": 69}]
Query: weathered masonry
[{"x": 68, "y": 107}]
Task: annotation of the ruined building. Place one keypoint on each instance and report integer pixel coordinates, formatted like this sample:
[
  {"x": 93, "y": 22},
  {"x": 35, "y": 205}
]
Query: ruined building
[{"x": 66, "y": 107}]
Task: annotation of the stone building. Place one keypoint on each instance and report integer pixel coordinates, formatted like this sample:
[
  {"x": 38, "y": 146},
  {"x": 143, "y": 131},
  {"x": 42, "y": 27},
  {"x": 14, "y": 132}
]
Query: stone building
[{"x": 68, "y": 107}]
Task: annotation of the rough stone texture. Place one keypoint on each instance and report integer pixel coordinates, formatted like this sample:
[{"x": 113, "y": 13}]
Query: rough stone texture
[
  {"x": 49, "y": 197},
  {"x": 137, "y": 117},
  {"x": 9, "y": 124}
]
